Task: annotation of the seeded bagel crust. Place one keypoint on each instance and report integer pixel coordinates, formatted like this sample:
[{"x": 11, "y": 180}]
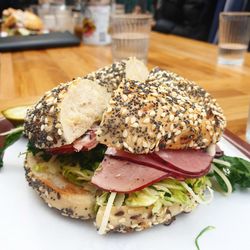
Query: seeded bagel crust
[
  {"x": 165, "y": 111},
  {"x": 69, "y": 199},
  {"x": 126, "y": 219},
  {"x": 112, "y": 75},
  {"x": 66, "y": 112}
]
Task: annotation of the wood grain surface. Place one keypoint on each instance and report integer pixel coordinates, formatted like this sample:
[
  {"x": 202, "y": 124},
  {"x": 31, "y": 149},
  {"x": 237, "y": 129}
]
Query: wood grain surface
[{"x": 24, "y": 76}]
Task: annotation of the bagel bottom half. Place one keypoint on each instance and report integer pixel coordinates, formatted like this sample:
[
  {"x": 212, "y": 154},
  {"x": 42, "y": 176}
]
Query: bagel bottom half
[
  {"x": 126, "y": 219},
  {"x": 81, "y": 202},
  {"x": 71, "y": 200}
]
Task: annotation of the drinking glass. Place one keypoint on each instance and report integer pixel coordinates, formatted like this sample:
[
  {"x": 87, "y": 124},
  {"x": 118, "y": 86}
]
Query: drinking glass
[
  {"x": 64, "y": 20},
  {"x": 234, "y": 36},
  {"x": 130, "y": 36}
]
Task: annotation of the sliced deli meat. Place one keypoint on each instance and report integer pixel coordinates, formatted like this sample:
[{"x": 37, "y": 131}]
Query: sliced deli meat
[
  {"x": 124, "y": 176},
  {"x": 85, "y": 143},
  {"x": 187, "y": 160},
  {"x": 176, "y": 167},
  {"x": 65, "y": 149}
]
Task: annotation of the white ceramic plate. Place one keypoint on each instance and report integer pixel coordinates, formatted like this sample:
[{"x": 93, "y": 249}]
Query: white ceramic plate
[{"x": 26, "y": 222}]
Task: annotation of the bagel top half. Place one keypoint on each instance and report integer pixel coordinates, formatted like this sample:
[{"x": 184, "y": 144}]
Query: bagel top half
[
  {"x": 165, "y": 111},
  {"x": 67, "y": 111}
]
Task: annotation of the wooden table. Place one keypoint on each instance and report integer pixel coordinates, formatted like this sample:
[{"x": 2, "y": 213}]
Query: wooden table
[{"x": 24, "y": 76}]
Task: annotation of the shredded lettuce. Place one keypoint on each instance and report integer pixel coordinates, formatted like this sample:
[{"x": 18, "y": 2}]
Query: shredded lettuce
[
  {"x": 119, "y": 200},
  {"x": 142, "y": 198},
  {"x": 101, "y": 200},
  {"x": 163, "y": 193},
  {"x": 40, "y": 168},
  {"x": 77, "y": 167},
  {"x": 77, "y": 175}
]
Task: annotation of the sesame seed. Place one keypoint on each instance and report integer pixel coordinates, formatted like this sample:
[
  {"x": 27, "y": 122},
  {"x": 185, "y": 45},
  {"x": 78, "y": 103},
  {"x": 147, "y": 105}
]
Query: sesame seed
[
  {"x": 177, "y": 132},
  {"x": 124, "y": 111},
  {"x": 125, "y": 98},
  {"x": 52, "y": 109},
  {"x": 125, "y": 133},
  {"x": 49, "y": 138},
  {"x": 171, "y": 117},
  {"x": 58, "y": 125},
  {"x": 152, "y": 113},
  {"x": 146, "y": 120},
  {"x": 125, "y": 144},
  {"x": 127, "y": 120},
  {"x": 39, "y": 105},
  {"x": 132, "y": 119},
  {"x": 158, "y": 136},
  {"x": 135, "y": 125},
  {"x": 140, "y": 113}
]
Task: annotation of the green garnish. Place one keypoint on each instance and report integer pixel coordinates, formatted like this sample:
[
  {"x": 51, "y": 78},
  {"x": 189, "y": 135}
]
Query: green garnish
[
  {"x": 46, "y": 156},
  {"x": 208, "y": 228},
  {"x": 85, "y": 159},
  {"x": 237, "y": 172},
  {"x": 11, "y": 137}
]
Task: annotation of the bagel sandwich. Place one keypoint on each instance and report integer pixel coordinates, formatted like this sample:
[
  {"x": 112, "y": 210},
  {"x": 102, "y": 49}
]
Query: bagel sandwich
[
  {"x": 62, "y": 143},
  {"x": 129, "y": 149}
]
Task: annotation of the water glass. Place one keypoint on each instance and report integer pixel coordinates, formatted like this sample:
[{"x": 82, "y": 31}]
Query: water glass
[
  {"x": 130, "y": 36},
  {"x": 64, "y": 20},
  {"x": 234, "y": 36},
  {"x": 56, "y": 17}
]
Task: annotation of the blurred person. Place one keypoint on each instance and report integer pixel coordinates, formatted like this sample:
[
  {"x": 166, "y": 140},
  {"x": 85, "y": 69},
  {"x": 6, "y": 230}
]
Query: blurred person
[
  {"x": 188, "y": 18},
  {"x": 137, "y": 6}
]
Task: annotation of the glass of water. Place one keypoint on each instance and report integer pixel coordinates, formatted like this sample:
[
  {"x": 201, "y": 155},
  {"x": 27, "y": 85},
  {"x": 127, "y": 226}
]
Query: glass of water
[
  {"x": 130, "y": 36},
  {"x": 234, "y": 36}
]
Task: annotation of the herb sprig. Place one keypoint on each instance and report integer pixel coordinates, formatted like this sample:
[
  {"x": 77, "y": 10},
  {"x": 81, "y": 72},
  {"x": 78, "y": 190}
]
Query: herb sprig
[
  {"x": 208, "y": 228},
  {"x": 11, "y": 137}
]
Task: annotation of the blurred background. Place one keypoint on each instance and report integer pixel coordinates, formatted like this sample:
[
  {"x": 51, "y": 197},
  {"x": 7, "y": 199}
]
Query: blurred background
[{"x": 197, "y": 19}]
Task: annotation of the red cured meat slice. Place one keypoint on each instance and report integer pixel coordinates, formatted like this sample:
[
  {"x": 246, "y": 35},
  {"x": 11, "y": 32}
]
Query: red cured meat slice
[
  {"x": 124, "y": 176},
  {"x": 86, "y": 143},
  {"x": 66, "y": 149},
  {"x": 187, "y": 161},
  {"x": 154, "y": 161}
]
